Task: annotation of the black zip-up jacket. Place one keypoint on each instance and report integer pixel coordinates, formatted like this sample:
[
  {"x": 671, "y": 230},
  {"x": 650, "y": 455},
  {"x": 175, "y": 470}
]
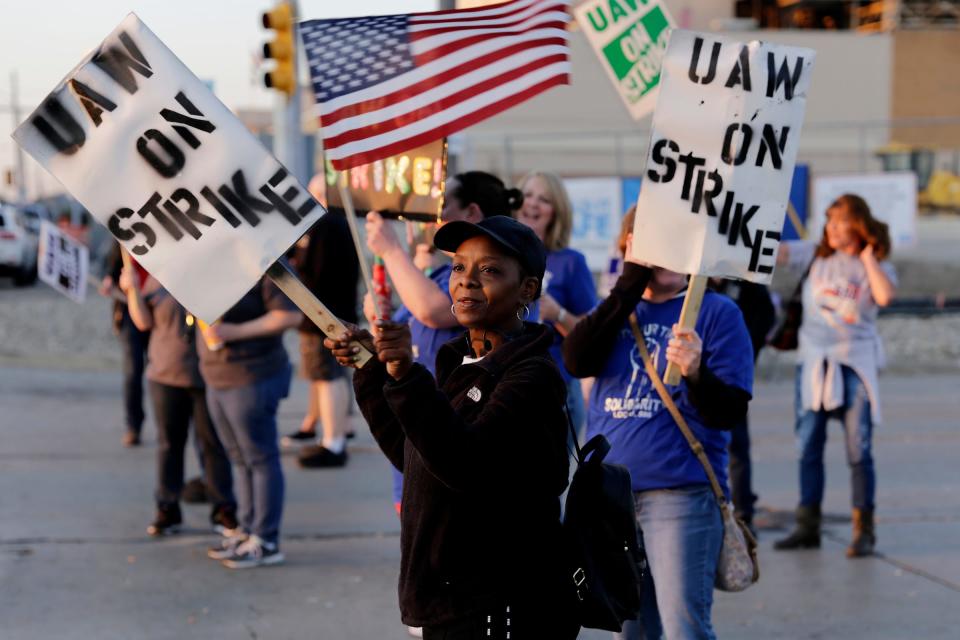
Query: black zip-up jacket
[
  {"x": 587, "y": 347},
  {"x": 484, "y": 462}
]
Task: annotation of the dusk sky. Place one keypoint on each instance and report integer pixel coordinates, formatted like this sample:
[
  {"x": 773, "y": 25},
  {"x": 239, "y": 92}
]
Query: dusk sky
[{"x": 218, "y": 40}]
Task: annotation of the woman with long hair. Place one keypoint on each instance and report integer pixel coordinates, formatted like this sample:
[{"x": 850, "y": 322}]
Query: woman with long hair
[
  {"x": 839, "y": 357},
  {"x": 481, "y": 446},
  {"x": 569, "y": 291}
]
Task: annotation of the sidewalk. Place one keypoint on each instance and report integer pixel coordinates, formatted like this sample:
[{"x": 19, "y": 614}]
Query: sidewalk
[{"x": 75, "y": 561}]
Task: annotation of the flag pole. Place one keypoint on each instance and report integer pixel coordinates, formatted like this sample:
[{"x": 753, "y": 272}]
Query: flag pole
[
  {"x": 795, "y": 220},
  {"x": 286, "y": 279},
  {"x": 351, "y": 213}
]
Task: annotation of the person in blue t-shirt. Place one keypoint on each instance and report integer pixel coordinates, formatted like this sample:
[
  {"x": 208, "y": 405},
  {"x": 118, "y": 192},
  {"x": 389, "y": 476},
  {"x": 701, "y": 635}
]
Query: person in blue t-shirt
[
  {"x": 677, "y": 513},
  {"x": 569, "y": 290}
]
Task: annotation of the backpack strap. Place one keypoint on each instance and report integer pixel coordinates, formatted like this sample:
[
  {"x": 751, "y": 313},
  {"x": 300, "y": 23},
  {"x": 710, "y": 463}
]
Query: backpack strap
[
  {"x": 798, "y": 290},
  {"x": 695, "y": 445}
]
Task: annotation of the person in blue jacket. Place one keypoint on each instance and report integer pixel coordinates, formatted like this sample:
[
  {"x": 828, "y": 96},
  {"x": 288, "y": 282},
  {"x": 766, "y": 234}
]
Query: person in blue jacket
[
  {"x": 569, "y": 290},
  {"x": 677, "y": 513}
]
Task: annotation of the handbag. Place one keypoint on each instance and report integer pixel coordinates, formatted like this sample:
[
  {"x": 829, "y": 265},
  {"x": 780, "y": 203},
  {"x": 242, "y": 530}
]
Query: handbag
[
  {"x": 737, "y": 567},
  {"x": 786, "y": 335}
]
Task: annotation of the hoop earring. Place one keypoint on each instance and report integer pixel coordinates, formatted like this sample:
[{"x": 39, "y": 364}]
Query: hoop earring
[
  {"x": 453, "y": 310},
  {"x": 522, "y": 317}
]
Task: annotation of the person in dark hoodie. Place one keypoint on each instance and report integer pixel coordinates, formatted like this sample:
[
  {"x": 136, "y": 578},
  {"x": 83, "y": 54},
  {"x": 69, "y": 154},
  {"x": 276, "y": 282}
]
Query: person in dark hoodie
[{"x": 482, "y": 448}]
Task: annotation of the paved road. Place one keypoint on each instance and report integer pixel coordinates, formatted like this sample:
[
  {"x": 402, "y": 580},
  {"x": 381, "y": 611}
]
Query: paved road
[{"x": 75, "y": 562}]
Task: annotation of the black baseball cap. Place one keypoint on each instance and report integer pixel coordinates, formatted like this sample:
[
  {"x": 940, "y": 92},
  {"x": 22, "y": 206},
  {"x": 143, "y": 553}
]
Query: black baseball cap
[{"x": 516, "y": 238}]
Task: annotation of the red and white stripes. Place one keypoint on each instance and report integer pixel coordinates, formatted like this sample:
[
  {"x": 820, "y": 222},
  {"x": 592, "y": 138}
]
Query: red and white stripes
[{"x": 470, "y": 64}]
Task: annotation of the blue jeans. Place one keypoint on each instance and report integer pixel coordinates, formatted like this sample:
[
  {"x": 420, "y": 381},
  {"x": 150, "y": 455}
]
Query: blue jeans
[
  {"x": 173, "y": 410},
  {"x": 245, "y": 418},
  {"x": 741, "y": 471},
  {"x": 682, "y": 532},
  {"x": 811, "y": 429},
  {"x": 134, "y": 344}
]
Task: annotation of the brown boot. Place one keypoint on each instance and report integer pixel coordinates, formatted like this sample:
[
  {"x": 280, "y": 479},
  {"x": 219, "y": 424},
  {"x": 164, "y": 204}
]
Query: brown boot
[
  {"x": 806, "y": 535},
  {"x": 864, "y": 536}
]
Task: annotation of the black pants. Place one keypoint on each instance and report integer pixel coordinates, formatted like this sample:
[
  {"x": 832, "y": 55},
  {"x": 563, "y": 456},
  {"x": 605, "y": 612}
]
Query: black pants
[
  {"x": 134, "y": 344},
  {"x": 173, "y": 408},
  {"x": 741, "y": 472},
  {"x": 509, "y": 623}
]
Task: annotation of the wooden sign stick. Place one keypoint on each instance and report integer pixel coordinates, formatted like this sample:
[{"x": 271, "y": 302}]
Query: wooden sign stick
[
  {"x": 351, "y": 214},
  {"x": 688, "y": 319},
  {"x": 286, "y": 279},
  {"x": 797, "y": 223}
]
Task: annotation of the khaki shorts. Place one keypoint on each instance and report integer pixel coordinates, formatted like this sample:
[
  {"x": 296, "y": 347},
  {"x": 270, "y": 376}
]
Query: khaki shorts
[{"x": 316, "y": 361}]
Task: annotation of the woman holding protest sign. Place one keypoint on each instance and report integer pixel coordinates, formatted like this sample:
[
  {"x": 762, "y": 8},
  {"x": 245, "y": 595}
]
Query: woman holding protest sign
[
  {"x": 677, "y": 511},
  {"x": 426, "y": 303},
  {"x": 177, "y": 391},
  {"x": 422, "y": 281},
  {"x": 482, "y": 448},
  {"x": 248, "y": 373},
  {"x": 569, "y": 291},
  {"x": 839, "y": 358}
]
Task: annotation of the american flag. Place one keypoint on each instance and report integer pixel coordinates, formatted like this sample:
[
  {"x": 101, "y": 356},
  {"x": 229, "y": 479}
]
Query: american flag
[{"x": 386, "y": 84}]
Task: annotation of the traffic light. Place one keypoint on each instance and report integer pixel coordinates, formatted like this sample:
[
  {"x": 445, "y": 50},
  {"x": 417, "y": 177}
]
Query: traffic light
[{"x": 281, "y": 49}]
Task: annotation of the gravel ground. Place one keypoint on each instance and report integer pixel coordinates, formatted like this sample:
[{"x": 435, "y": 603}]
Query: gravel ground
[
  {"x": 39, "y": 327},
  {"x": 912, "y": 344}
]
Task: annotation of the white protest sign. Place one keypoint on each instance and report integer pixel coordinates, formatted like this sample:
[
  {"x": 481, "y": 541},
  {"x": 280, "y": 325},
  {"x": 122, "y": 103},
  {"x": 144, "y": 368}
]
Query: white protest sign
[
  {"x": 145, "y": 146},
  {"x": 62, "y": 262},
  {"x": 722, "y": 151},
  {"x": 597, "y": 209},
  {"x": 629, "y": 37},
  {"x": 892, "y": 198}
]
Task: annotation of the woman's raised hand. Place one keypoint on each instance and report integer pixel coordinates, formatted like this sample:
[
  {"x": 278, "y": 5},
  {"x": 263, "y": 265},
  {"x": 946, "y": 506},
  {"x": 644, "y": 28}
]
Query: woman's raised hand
[
  {"x": 381, "y": 238},
  {"x": 394, "y": 347},
  {"x": 126, "y": 282}
]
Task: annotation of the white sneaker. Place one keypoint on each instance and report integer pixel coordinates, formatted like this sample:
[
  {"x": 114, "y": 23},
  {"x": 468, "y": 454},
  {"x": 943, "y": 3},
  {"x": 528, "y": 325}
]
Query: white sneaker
[
  {"x": 227, "y": 547},
  {"x": 416, "y": 632},
  {"x": 254, "y": 552}
]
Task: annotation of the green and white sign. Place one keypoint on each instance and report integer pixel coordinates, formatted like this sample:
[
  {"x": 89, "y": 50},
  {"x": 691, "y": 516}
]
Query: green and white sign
[{"x": 630, "y": 38}]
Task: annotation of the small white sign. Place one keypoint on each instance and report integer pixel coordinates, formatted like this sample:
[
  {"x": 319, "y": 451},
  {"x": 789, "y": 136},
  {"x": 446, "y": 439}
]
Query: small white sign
[
  {"x": 597, "y": 210},
  {"x": 630, "y": 39},
  {"x": 722, "y": 151},
  {"x": 62, "y": 262},
  {"x": 148, "y": 149},
  {"x": 892, "y": 198}
]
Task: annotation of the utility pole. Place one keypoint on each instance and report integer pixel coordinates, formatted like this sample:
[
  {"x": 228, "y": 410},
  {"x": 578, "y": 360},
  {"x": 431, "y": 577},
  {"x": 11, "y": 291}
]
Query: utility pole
[
  {"x": 18, "y": 152},
  {"x": 288, "y": 144}
]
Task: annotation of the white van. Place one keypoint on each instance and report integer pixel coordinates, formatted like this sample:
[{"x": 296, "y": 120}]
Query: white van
[{"x": 18, "y": 247}]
